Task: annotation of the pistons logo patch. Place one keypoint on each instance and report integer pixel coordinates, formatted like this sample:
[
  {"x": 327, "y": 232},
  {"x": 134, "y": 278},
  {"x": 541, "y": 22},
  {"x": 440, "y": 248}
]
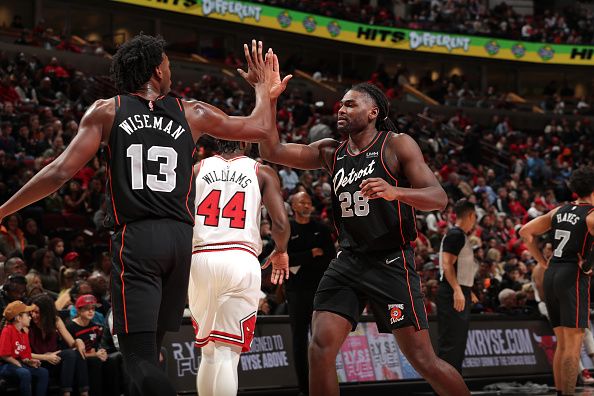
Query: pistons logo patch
[{"x": 396, "y": 312}]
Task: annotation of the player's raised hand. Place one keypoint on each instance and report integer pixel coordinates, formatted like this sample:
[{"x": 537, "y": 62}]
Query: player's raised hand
[
  {"x": 278, "y": 86},
  {"x": 376, "y": 187},
  {"x": 280, "y": 267},
  {"x": 256, "y": 72}
]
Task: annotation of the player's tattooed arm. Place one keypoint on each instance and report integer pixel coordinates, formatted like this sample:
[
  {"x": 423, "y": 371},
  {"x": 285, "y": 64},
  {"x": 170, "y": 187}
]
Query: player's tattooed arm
[{"x": 403, "y": 156}]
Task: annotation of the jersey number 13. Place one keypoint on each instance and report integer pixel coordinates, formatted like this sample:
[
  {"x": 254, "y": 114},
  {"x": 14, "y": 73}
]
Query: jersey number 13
[{"x": 166, "y": 169}]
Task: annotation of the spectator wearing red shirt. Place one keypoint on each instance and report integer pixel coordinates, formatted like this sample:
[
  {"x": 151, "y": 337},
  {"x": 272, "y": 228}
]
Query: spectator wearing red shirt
[
  {"x": 53, "y": 69},
  {"x": 15, "y": 351},
  {"x": 8, "y": 92}
]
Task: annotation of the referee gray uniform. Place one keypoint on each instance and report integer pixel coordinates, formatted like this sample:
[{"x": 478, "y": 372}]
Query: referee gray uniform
[{"x": 453, "y": 325}]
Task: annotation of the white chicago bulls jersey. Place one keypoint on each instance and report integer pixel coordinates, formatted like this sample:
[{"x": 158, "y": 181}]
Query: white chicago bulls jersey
[{"x": 228, "y": 205}]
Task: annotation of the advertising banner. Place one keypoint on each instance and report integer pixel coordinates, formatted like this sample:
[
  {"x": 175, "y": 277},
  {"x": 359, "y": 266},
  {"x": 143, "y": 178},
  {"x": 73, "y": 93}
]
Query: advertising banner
[
  {"x": 256, "y": 14},
  {"x": 494, "y": 348},
  {"x": 269, "y": 363}
]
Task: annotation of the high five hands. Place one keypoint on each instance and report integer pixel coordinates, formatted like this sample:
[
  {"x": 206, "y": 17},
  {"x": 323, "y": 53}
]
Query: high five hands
[{"x": 263, "y": 69}]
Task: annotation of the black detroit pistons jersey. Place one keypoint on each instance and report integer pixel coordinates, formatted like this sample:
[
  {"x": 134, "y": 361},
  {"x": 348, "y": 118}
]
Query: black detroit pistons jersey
[
  {"x": 570, "y": 233},
  {"x": 150, "y": 161},
  {"x": 365, "y": 225}
]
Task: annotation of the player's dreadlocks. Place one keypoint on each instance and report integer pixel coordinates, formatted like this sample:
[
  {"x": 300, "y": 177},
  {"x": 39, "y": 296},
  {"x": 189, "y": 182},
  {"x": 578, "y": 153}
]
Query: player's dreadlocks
[
  {"x": 134, "y": 62},
  {"x": 227, "y": 146},
  {"x": 581, "y": 181},
  {"x": 383, "y": 121}
]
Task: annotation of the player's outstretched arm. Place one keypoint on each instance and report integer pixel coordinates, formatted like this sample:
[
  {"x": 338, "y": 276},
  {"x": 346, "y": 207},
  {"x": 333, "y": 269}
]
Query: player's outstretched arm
[
  {"x": 294, "y": 155},
  {"x": 81, "y": 150},
  {"x": 205, "y": 118},
  {"x": 426, "y": 192},
  {"x": 281, "y": 230}
]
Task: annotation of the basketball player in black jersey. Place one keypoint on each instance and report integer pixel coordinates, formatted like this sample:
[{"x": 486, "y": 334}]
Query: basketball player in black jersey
[
  {"x": 150, "y": 139},
  {"x": 378, "y": 178},
  {"x": 566, "y": 281}
]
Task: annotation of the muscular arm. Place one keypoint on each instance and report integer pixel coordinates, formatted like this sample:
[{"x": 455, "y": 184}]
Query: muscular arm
[
  {"x": 530, "y": 232},
  {"x": 81, "y": 150},
  {"x": 316, "y": 155},
  {"x": 403, "y": 156},
  {"x": 272, "y": 198},
  {"x": 205, "y": 118}
]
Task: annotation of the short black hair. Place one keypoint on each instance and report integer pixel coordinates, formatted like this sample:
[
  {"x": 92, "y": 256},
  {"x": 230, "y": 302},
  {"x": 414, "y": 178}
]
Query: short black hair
[
  {"x": 383, "y": 121},
  {"x": 134, "y": 62},
  {"x": 463, "y": 207},
  {"x": 227, "y": 146},
  {"x": 581, "y": 181}
]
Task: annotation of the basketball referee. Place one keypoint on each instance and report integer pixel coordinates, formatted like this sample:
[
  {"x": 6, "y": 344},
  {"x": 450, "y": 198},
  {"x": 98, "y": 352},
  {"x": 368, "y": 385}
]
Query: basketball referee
[{"x": 457, "y": 270}]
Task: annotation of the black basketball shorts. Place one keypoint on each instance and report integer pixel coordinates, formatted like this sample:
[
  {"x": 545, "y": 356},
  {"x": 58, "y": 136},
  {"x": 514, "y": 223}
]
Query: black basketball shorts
[
  {"x": 149, "y": 279},
  {"x": 386, "y": 281},
  {"x": 567, "y": 295}
]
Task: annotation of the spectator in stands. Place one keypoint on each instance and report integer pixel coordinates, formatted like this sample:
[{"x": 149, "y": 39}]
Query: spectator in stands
[
  {"x": 35, "y": 286},
  {"x": 507, "y": 302},
  {"x": 15, "y": 351},
  {"x": 288, "y": 178},
  {"x": 102, "y": 368},
  {"x": 56, "y": 245},
  {"x": 46, "y": 94},
  {"x": 27, "y": 94},
  {"x": 47, "y": 333},
  {"x": 74, "y": 200},
  {"x": 45, "y": 266},
  {"x": 68, "y": 279},
  {"x": 102, "y": 266},
  {"x": 11, "y": 236},
  {"x": 100, "y": 285},
  {"x": 33, "y": 234},
  {"x": 15, "y": 266},
  {"x": 72, "y": 260},
  {"x": 14, "y": 289}
]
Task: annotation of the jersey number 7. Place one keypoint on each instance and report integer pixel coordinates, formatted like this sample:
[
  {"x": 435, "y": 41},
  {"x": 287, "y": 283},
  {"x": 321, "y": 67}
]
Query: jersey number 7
[{"x": 233, "y": 210}]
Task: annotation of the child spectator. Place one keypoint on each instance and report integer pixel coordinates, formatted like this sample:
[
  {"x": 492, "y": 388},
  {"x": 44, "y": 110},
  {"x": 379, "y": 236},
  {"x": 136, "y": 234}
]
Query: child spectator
[
  {"x": 15, "y": 351},
  {"x": 101, "y": 365}
]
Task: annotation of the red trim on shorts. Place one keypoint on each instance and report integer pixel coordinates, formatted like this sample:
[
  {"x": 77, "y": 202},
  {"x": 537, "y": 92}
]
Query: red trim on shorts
[
  {"x": 243, "y": 340},
  {"x": 414, "y": 216},
  {"x": 190, "y": 190},
  {"x": 224, "y": 249},
  {"x": 409, "y": 291},
  {"x": 122, "y": 279},
  {"x": 179, "y": 103},
  {"x": 226, "y": 243},
  {"x": 400, "y": 219},
  {"x": 366, "y": 148},
  {"x": 577, "y": 296},
  {"x": 119, "y": 103},
  {"x": 589, "y": 279},
  {"x": 115, "y": 212}
]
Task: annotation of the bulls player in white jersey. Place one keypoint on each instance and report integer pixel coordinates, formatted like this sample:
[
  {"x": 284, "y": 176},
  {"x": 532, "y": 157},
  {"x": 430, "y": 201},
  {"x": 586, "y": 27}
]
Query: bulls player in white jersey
[{"x": 225, "y": 274}]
